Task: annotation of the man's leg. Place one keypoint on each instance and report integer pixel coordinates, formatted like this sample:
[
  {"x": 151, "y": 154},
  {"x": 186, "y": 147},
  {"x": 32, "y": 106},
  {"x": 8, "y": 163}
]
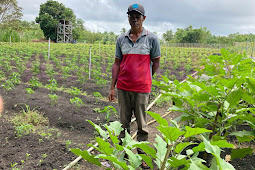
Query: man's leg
[
  {"x": 125, "y": 111},
  {"x": 141, "y": 103}
]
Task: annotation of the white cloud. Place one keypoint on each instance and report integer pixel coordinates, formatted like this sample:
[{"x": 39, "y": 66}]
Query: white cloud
[{"x": 221, "y": 17}]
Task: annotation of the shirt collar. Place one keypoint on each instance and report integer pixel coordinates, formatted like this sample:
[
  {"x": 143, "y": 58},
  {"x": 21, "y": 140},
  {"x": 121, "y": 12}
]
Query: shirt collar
[{"x": 142, "y": 34}]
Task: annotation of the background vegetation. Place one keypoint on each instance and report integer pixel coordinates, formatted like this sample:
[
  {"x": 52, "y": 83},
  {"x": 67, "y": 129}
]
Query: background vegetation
[{"x": 51, "y": 11}]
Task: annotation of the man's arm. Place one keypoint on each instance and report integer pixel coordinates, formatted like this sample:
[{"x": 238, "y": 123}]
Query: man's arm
[
  {"x": 155, "y": 64},
  {"x": 115, "y": 72}
]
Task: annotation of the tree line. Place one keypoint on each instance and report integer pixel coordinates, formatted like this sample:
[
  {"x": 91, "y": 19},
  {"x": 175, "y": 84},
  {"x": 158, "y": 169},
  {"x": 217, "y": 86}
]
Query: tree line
[{"x": 45, "y": 25}]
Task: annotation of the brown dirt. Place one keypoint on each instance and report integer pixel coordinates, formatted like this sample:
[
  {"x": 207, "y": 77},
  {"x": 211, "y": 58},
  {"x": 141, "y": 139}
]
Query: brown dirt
[{"x": 67, "y": 120}]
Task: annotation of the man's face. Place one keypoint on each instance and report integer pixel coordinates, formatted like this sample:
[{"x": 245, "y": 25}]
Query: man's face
[{"x": 136, "y": 19}]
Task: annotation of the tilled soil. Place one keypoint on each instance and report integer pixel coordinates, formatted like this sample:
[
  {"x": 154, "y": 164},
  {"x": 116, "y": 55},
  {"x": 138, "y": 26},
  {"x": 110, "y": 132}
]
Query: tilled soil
[{"x": 70, "y": 122}]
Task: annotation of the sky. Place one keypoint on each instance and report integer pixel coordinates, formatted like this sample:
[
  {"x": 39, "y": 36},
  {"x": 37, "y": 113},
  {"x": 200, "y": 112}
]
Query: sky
[{"x": 220, "y": 17}]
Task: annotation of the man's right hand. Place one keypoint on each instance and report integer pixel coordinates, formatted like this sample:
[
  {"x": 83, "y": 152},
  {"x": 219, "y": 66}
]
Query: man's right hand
[{"x": 112, "y": 96}]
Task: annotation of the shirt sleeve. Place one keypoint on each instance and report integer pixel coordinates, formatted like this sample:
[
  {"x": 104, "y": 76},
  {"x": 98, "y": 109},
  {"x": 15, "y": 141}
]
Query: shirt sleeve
[
  {"x": 118, "y": 53},
  {"x": 155, "y": 50}
]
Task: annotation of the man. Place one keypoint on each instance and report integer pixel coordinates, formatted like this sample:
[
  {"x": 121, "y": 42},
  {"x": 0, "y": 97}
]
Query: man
[{"x": 136, "y": 60}]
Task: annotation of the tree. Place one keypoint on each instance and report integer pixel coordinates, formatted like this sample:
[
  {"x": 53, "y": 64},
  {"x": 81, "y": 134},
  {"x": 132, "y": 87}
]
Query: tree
[
  {"x": 123, "y": 30},
  {"x": 190, "y": 35},
  {"x": 50, "y": 14},
  {"x": 168, "y": 36},
  {"x": 10, "y": 13}
]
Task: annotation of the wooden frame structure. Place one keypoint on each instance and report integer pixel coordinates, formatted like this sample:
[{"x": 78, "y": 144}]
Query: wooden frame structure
[{"x": 64, "y": 31}]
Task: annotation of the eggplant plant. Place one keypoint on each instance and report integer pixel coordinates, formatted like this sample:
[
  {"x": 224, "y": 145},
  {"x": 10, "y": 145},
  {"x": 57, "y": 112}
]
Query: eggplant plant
[
  {"x": 169, "y": 152},
  {"x": 220, "y": 98}
]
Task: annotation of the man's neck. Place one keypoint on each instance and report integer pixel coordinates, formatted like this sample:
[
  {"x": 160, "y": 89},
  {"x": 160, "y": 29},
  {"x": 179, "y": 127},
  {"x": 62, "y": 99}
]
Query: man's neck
[{"x": 136, "y": 32}]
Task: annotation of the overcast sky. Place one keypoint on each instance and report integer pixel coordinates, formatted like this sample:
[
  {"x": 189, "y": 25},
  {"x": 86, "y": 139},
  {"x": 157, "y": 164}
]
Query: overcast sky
[{"x": 221, "y": 17}]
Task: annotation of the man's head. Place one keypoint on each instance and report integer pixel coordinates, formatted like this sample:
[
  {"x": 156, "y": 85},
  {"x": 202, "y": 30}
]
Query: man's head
[{"x": 136, "y": 15}]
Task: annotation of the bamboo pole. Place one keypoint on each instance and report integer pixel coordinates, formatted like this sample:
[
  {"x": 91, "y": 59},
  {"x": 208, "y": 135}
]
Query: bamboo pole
[
  {"x": 89, "y": 62},
  {"x": 49, "y": 49}
]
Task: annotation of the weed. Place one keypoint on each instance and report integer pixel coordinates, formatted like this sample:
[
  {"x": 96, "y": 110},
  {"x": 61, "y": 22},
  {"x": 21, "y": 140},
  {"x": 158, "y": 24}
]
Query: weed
[
  {"x": 53, "y": 98},
  {"x": 68, "y": 142},
  {"x": 97, "y": 95}
]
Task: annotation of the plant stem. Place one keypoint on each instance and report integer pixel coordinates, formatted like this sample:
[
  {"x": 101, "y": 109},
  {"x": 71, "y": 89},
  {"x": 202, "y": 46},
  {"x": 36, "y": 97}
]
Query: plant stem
[
  {"x": 166, "y": 156},
  {"x": 213, "y": 128},
  {"x": 215, "y": 121}
]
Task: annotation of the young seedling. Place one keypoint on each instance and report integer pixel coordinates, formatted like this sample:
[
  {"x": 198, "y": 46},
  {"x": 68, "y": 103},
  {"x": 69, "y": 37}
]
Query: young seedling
[
  {"x": 68, "y": 142},
  {"x": 77, "y": 101},
  {"x": 97, "y": 95},
  {"x": 53, "y": 98},
  {"x": 29, "y": 92},
  {"x": 108, "y": 110}
]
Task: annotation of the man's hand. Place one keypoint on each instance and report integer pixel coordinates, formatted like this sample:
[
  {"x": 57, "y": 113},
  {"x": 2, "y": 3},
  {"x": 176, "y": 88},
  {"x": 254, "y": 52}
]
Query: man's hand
[{"x": 112, "y": 96}]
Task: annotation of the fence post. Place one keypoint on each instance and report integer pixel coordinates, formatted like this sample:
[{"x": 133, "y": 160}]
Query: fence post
[
  {"x": 166, "y": 52},
  {"x": 99, "y": 47},
  {"x": 89, "y": 61},
  {"x": 49, "y": 50}
]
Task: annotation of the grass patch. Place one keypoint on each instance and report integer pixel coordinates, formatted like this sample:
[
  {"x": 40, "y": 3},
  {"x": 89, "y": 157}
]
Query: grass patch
[{"x": 30, "y": 120}]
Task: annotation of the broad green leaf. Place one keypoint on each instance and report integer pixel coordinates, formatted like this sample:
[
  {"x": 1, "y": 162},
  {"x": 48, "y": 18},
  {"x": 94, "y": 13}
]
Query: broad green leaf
[
  {"x": 245, "y": 138},
  {"x": 128, "y": 141},
  {"x": 147, "y": 149},
  {"x": 103, "y": 133},
  {"x": 116, "y": 127},
  {"x": 248, "y": 98},
  {"x": 193, "y": 166},
  {"x": 234, "y": 97},
  {"x": 251, "y": 83},
  {"x": 161, "y": 147},
  {"x": 201, "y": 122},
  {"x": 114, "y": 139},
  {"x": 134, "y": 159},
  {"x": 170, "y": 133},
  {"x": 178, "y": 109},
  {"x": 213, "y": 91},
  {"x": 105, "y": 147},
  {"x": 179, "y": 148},
  {"x": 86, "y": 155},
  {"x": 222, "y": 144},
  {"x": 242, "y": 133},
  {"x": 115, "y": 160},
  {"x": 174, "y": 162},
  {"x": 200, "y": 97},
  {"x": 147, "y": 160},
  {"x": 215, "y": 151},
  {"x": 158, "y": 118},
  {"x": 194, "y": 131},
  {"x": 199, "y": 148},
  {"x": 240, "y": 153},
  {"x": 189, "y": 152}
]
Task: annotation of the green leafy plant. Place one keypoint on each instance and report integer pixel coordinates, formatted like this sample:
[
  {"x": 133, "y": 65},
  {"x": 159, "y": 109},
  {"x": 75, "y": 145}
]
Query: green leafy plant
[
  {"x": 97, "y": 95},
  {"x": 53, "y": 85},
  {"x": 29, "y": 91},
  {"x": 29, "y": 120},
  {"x": 34, "y": 83},
  {"x": 23, "y": 129},
  {"x": 219, "y": 99},
  {"x": 108, "y": 110},
  {"x": 77, "y": 101},
  {"x": 169, "y": 152},
  {"x": 42, "y": 159},
  {"x": 74, "y": 91},
  {"x": 68, "y": 142},
  {"x": 53, "y": 98}
]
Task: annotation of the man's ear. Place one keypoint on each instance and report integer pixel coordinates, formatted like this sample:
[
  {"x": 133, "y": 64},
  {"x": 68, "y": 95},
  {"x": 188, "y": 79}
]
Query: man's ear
[{"x": 144, "y": 18}]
